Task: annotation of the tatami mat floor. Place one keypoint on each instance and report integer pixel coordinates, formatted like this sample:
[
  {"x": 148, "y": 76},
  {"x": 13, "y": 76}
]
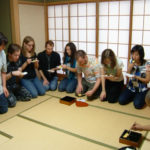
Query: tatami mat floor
[{"x": 45, "y": 124}]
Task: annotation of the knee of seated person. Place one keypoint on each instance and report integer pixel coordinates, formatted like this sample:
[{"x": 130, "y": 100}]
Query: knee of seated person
[
  {"x": 12, "y": 104},
  {"x": 147, "y": 100},
  {"x": 11, "y": 101},
  {"x": 42, "y": 93},
  {"x": 112, "y": 100},
  {"x": 34, "y": 95},
  {"x": 60, "y": 89},
  {"x": 69, "y": 90},
  {"x": 53, "y": 88},
  {"x": 3, "y": 110},
  {"x": 138, "y": 107},
  {"x": 90, "y": 98},
  {"x": 121, "y": 101}
]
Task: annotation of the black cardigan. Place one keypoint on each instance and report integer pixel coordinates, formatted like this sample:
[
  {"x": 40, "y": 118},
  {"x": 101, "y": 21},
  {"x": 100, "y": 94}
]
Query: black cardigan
[{"x": 43, "y": 63}]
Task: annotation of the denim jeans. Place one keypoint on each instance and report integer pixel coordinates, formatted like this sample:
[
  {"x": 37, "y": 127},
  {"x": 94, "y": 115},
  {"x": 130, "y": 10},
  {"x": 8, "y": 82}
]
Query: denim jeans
[
  {"x": 68, "y": 85},
  {"x": 138, "y": 98},
  {"x": 52, "y": 84},
  {"x": 3, "y": 104},
  {"x": 34, "y": 86}
]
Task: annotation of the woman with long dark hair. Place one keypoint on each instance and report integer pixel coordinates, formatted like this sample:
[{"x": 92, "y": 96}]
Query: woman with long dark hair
[{"x": 69, "y": 83}]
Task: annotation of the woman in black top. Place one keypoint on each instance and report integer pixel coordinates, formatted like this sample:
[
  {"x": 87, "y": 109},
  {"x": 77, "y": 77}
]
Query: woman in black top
[{"x": 30, "y": 63}]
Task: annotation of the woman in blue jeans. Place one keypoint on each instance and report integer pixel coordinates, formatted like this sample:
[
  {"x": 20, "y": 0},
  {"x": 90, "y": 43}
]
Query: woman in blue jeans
[
  {"x": 30, "y": 81},
  {"x": 137, "y": 86},
  {"x": 69, "y": 83}
]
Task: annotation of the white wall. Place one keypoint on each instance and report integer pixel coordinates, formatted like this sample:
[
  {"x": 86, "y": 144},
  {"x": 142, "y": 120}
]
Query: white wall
[{"x": 32, "y": 23}]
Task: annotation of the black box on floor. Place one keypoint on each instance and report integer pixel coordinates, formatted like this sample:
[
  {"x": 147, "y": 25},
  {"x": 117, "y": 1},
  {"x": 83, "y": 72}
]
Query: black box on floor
[
  {"x": 68, "y": 100},
  {"x": 131, "y": 138}
]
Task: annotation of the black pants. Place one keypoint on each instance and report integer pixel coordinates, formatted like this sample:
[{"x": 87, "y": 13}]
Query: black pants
[
  {"x": 87, "y": 86},
  {"x": 113, "y": 90}
]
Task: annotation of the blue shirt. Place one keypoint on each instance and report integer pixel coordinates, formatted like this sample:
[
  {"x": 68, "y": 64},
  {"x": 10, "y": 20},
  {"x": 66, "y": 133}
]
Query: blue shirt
[
  {"x": 135, "y": 85},
  {"x": 70, "y": 75}
]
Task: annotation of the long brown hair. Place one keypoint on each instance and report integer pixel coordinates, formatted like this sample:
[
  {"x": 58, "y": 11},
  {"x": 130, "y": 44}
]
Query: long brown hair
[
  {"x": 73, "y": 52},
  {"x": 26, "y": 40},
  {"x": 108, "y": 53}
]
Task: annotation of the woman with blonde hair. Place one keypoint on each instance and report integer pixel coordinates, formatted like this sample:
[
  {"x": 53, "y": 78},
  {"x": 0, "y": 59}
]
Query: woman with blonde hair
[{"x": 30, "y": 62}]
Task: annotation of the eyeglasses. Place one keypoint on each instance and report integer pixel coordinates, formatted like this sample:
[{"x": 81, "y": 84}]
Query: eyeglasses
[{"x": 30, "y": 45}]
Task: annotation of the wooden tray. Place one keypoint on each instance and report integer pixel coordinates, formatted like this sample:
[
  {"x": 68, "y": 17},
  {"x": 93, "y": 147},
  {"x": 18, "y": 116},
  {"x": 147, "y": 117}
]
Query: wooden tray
[{"x": 132, "y": 138}]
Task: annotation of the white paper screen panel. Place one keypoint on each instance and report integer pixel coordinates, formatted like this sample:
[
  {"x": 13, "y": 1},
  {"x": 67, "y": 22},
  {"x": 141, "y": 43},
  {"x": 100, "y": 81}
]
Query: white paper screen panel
[
  {"x": 74, "y": 35},
  {"x": 65, "y": 35},
  {"x": 138, "y": 22},
  {"x": 113, "y": 8},
  {"x": 147, "y": 6},
  {"x": 113, "y": 22},
  {"x": 82, "y": 46},
  {"x": 146, "y": 37},
  {"x": 114, "y": 28},
  {"x": 147, "y": 52},
  {"x": 65, "y": 23},
  {"x": 113, "y": 36},
  {"x": 123, "y": 51},
  {"x": 91, "y": 34},
  {"x": 83, "y": 26},
  {"x": 58, "y": 23},
  {"x": 51, "y": 23},
  {"x": 82, "y": 9},
  {"x": 82, "y": 22},
  {"x": 91, "y": 9},
  {"x": 138, "y": 7},
  {"x": 124, "y": 22},
  {"x": 73, "y": 9},
  {"x": 65, "y": 10},
  {"x": 73, "y": 22},
  {"x": 124, "y": 8},
  {"x": 141, "y": 25},
  {"x": 58, "y": 26},
  {"x": 51, "y": 34},
  {"x": 103, "y": 22},
  {"x": 82, "y": 35},
  {"x": 103, "y": 36},
  {"x": 58, "y": 11},
  {"x": 137, "y": 37},
  {"x": 91, "y": 48},
  {"x": 123, "y": 37}
]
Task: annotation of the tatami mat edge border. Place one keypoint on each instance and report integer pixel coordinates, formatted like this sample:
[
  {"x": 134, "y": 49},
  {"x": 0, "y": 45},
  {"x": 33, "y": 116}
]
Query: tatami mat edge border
[
  {"x": 26, "y": 109},
  {"x": 6, "y": 135},
  {"x": 100, "y": 107},
  {"x": 69, "y": 133}
]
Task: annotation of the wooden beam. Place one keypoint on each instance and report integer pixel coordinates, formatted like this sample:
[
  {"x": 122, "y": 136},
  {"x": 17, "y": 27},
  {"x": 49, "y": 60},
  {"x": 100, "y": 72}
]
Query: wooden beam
[
  {"x": 46, "y": 21},
  {"x": 97, "y": 28},
  {"x": 14, "y": 8},
  {"x": 130, "y": 29},
  {"x": 31, "y": 3}
]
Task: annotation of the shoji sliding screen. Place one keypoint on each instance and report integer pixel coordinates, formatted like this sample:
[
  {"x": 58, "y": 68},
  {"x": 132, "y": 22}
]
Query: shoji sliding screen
[
  {"x": 114, "y": 28},
  {"x": 58, "y": 26},
  {"x": 76, "y": 22},
  {"x": 83, "y": 26},
  {"x": 141, "y": 25}
]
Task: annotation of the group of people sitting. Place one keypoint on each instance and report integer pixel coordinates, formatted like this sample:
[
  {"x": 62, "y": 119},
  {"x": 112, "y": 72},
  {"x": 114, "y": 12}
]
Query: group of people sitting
[{"x": 26, "y": 75}]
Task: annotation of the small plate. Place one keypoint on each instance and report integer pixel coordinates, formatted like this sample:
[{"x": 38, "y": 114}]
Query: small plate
[
  {"x": 52, "y": 71},
  {"x": 24, "y": 73}
]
